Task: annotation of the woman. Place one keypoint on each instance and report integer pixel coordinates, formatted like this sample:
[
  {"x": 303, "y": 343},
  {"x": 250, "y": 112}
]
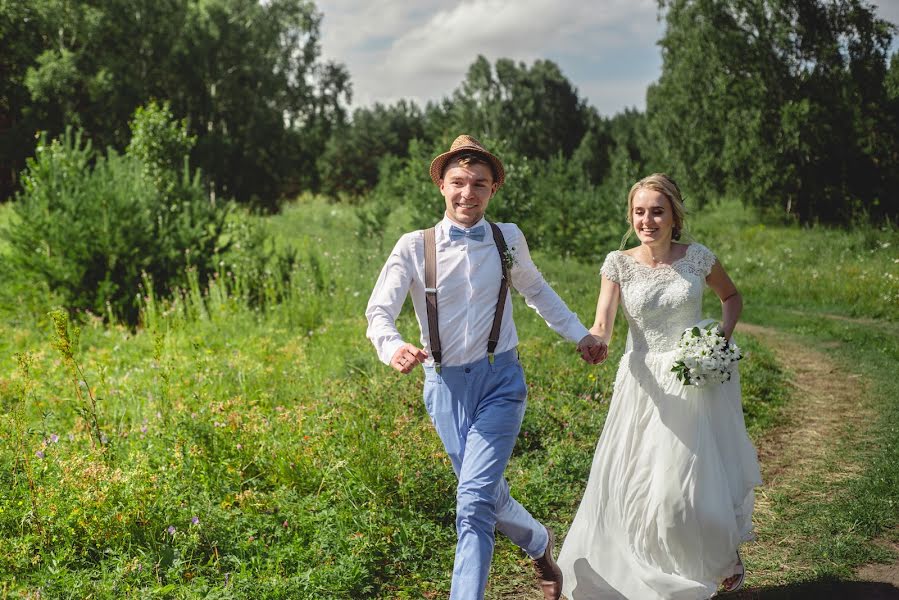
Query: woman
[{"x": 670, "y": 494}]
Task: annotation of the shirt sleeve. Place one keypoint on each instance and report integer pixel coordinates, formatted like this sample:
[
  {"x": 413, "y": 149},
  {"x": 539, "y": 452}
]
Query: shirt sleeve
[
  {"x": 609, "y": 268},
  {"x": 537, "y": 293},
  {"x": 387, "y": 299}
]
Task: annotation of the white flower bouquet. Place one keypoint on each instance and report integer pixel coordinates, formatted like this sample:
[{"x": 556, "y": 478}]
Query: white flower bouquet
[{"x": 704, "y": 356}]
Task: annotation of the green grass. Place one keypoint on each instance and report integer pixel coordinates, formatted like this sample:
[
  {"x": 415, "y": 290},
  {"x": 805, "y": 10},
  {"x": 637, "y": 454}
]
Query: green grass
[{"x": 312, "y": 468}]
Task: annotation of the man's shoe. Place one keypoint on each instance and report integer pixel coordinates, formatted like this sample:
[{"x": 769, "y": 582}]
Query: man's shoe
[{"x": 549, "y": 575}]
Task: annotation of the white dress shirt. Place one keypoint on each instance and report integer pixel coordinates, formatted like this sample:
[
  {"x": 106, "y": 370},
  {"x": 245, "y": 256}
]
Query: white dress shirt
[{"x": 468, "y": 279}]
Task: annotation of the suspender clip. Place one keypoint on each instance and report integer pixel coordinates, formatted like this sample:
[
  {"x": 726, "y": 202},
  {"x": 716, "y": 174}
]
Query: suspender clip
[
  {"x": 490, "y": 357},
  {"x": 430, "y": 290},
  {"x": 437, "y": 367}
]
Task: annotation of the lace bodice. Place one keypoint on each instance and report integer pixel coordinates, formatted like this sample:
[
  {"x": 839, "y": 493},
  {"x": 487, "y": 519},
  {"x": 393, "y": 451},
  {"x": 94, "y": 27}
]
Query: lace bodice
[{"x": 660, "y": 302}]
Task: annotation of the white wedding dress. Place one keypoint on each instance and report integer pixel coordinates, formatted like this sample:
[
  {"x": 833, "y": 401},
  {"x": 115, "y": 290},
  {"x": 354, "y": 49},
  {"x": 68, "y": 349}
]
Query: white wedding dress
[{"x": 670, "y": 493}]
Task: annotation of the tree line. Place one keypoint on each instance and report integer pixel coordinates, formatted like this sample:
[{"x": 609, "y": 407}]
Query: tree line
[{"x": 788, "y": 105}]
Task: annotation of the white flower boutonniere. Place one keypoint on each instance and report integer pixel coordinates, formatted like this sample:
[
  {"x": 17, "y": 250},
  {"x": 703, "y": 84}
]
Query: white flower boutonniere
[{"x": 510, "y": 257}]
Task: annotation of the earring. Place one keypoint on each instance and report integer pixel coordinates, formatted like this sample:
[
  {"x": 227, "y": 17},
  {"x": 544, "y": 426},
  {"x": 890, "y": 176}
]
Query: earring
[{"x": 676, "y": 234}]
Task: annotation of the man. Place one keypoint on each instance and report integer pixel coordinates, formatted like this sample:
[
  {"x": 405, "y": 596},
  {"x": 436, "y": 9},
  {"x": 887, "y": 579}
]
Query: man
[{"x": 474, "y": 388}]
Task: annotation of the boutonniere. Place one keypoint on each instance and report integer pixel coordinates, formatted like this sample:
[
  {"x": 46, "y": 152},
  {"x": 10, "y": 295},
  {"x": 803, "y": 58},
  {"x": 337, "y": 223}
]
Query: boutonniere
[{"x": 510, "y": 257}]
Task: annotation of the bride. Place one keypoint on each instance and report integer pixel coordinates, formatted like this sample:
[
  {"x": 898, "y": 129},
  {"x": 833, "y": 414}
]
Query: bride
[{"x": 670, "y": 494}]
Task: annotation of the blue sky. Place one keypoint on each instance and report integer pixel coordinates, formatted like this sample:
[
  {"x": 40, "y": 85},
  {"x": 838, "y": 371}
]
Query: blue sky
[{"x": 421, "y": 49}]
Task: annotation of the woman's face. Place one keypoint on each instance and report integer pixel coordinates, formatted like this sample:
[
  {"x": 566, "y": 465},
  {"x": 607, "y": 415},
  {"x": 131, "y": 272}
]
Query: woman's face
[{"x": 652, "y": 216}]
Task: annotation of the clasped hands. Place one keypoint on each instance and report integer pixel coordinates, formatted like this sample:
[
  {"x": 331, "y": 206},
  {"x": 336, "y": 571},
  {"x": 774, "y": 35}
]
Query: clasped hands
[{"x": 593, "y": 349}]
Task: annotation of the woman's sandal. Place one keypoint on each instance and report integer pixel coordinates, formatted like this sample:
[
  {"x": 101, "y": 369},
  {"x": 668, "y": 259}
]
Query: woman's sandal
[{"x": 735, "y": 581}]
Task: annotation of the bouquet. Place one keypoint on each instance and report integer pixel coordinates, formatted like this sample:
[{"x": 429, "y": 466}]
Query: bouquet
[{"x": 704, "y": 356}]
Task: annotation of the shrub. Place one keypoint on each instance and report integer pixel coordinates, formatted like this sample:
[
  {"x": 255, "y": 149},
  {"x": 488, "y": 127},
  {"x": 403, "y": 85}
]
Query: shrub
[{"x": 89, "y": 225}]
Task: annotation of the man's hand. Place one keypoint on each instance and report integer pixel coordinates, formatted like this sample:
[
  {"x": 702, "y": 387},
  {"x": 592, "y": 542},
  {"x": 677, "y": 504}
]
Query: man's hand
[
  {"x": 406, "y": 357},
  {"x": 593, "y": 349}
]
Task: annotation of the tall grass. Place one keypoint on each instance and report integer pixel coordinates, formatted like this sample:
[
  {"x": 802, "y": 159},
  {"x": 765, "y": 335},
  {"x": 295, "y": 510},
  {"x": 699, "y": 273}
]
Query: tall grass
[{"x": 260, "y": 449}]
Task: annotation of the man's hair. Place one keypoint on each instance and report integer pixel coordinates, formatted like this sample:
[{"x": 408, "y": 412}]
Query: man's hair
[{"x": 465, "y": 159}]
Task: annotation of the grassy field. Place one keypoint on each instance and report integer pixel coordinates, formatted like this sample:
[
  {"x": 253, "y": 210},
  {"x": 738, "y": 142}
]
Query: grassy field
[{"x": 222, "y": 451}]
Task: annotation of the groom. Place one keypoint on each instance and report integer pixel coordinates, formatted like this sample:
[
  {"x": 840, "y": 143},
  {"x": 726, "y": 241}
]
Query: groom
[{"x": 474, "y": 388}]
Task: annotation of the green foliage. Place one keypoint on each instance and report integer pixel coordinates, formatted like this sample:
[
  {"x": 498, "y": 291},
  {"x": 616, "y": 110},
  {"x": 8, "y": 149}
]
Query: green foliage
[
  {"x": 349, "y": 164},
  {"x": 246, "y": 76},
  {"x": 536, "y": 109},
  {"x": 89, "y": 227},
  {"x": 162, "y": 145},
  {"x": 782, "y": 103}
]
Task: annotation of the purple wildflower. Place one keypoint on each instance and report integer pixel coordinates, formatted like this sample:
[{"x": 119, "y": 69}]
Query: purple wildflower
[
  {"x": 171, "y": 529},
  {"x": 39, "y": 454},
  {"x": 195, "y": 520},
  {"x": 54, "y": 438}
]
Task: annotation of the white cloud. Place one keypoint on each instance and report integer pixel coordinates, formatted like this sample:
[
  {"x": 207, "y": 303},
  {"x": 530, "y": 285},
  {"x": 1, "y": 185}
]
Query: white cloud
[
  {"x": 394, "y": 50},
  {"x": 421, "y": 49}
]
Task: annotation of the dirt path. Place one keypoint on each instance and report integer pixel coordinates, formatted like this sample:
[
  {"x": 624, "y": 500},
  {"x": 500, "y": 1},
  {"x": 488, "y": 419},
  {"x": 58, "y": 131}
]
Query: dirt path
[{"x": 828, "y": 404}]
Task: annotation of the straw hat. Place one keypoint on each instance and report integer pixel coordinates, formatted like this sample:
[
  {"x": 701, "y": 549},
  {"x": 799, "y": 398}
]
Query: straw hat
[{"x": 462, "y": 144}]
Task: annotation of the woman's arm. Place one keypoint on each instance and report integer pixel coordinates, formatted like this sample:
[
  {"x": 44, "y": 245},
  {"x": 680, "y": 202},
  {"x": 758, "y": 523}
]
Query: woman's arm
[
  {"x": 731, "y": 300},
  {"x": 606, "y": 307}
]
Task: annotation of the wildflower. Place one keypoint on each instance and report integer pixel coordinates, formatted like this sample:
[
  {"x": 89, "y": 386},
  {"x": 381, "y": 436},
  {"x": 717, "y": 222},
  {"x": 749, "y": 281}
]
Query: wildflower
[
  {"x": 53, "y": 438},
  {"x": 39, "y": 454},
  {"x": 195, "y": 520},
  {"x": 239, "y": 446},
  {"x": 171, "y": 529},
  {"x": 284, "y": 524}
]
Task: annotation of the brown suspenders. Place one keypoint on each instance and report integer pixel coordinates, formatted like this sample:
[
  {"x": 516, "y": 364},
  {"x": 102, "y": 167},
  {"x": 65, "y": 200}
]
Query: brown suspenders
[{"x": 431, "y": 293}]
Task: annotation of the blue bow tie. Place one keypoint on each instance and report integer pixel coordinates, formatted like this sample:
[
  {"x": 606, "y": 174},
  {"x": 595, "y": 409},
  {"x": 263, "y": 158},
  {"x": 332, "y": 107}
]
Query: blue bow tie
[{"x": 475, "y": 233}]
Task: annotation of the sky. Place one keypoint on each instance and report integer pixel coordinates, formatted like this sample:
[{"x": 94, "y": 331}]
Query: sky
[{"x": 421, "y": 49}]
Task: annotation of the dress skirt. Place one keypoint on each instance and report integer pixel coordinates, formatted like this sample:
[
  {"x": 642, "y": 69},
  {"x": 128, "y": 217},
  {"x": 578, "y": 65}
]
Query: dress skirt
[{"x": 670, "y": 493}]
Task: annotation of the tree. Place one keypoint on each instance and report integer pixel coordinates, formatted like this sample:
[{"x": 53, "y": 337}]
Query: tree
[
  {"x": 536, "y": 109},
  {"x": 246, "y": 76},
  {"x": 349, "y": 164},
  {"x": 777, "y": 102}
]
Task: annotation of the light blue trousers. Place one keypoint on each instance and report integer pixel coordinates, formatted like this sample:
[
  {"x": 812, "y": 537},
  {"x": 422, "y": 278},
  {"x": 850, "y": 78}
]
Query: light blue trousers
[{"x": 477, "y": 411}]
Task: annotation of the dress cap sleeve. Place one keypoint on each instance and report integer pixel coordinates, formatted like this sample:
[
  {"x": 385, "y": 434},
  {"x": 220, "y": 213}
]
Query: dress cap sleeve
[
  {"x": 705, "y": 259},
  {"x": 610, "y": 267}
]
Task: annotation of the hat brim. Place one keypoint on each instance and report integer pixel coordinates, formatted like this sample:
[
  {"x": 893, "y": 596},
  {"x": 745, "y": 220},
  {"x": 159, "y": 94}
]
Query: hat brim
[{"x": 438, "y": 165}]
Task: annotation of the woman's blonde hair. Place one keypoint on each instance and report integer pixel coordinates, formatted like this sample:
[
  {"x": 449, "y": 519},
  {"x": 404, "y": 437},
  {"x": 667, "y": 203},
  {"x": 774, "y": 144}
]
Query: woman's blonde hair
[{"x": 665, "y": 185}]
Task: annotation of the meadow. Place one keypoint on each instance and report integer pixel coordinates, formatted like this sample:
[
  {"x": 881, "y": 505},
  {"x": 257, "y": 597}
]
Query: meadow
[{"x": 228, "y": 449}]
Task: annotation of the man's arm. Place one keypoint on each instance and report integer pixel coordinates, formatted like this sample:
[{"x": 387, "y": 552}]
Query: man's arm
[
  {"x": 384, "y": 306},
  {"x": 538, "y": 294}
]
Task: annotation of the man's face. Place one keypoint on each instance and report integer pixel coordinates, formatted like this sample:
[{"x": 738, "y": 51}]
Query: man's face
[{"x": 467, "y": 191}]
